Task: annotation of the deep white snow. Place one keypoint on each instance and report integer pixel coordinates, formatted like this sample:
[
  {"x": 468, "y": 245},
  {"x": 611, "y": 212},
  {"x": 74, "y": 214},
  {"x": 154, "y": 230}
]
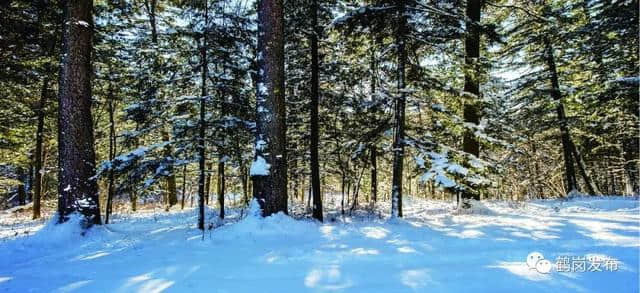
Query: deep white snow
[{"x": 433, "y": 249}]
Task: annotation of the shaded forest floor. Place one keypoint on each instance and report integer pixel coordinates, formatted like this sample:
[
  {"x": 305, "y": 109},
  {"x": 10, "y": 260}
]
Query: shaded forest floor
[{"x": 432, "y": 249}]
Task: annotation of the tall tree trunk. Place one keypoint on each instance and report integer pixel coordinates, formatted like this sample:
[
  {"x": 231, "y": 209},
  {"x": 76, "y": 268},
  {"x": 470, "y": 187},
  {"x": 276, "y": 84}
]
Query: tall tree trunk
[
  {"x": 78, "y": 191},
  {"x": 356, "y": 190},
  {"x": 133, "y": 197},
  {"x": 184, "y": 186},
  {"x": 36, "y": 182},
  {"x": 38, "y": 163},
  {"x": 374, "y": 174},
  {"x": 399, "y": 113},
  {"x": 315, "y": 165},
  {"x": 202, "y": 126},
  {"x": 374, "y": 163},
  {"x": 294, "y": 178},
  {"x": 270, "y": 183},
  {"x": 472, "y": 114},
  {"x": 583, "y": 171},
  {"x": 309, "y": 195},
  {"x": 22, "y": 191},
  {"x": 342, "y": 185},
  {"x": 207, "y": 183},
  {"x": 612, "y": 179},
  {"x": 245, "y": 187},
  {"x": 29, "y": 182},
  {"x": 221, "y": 151},
  {"x": 630, "y": 165},
  {"x": 221, "y": 185},
  {"x": 112, "y": 154},
  {"x": 536, "y": 170},
  {"x": 570, "y": 173},
  {"x": 172, "y": 194}
]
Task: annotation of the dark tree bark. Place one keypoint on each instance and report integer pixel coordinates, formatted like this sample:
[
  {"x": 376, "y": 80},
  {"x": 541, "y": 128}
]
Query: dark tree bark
[
  {"x": 342, "y": 186},
  {"x": 471, "y": 110},
  {"x": 536, "y": 171},
  {"x": 38, "y": 162},
  {"x": 29, "y": 182},
  {"x": 172, "y": 194},
  {"x": 570, "y": 172},
  {"x": 184, "y": 186},
  {"x": 399, "y": 115},
  {"x": 221, "y": 153},
  {"x": 202, "y": 127},
  {"x": 356, "y": 191},
  {"x": 221, "y": 186},
  {"x": 374, "y": 163},
  {"x": 315, "y": 165},
  {"x": 245, "y": 187},
  {"x": 78, "y": 191},
  {"x": 612, "y": 179},
  {"x": 22, "y": 190},
  {"x": 374, "y": 174},
  {"x": 207, "y": 184},
  {"x": 134, "y": 200},
  {"x": 294, "y": 175},
  {"x": 270, "y": 187},
  {"x": 112, "y": 154},
  {"x": 583, "y": 170}
]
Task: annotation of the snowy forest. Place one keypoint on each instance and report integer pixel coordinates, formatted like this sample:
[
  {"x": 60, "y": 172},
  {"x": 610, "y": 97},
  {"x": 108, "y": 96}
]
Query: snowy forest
[{"x": 294, "y": 145}]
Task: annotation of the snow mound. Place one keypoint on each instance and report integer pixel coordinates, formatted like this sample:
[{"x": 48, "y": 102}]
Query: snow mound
[
  {"x": 472, "y": 206},
  {"x": 55, "y": 234},
  {"x": 278, "y": 224}
]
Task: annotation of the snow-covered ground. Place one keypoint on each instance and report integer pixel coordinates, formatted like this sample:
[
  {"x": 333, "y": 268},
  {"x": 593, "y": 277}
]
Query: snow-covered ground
[{"x": 432, "y": 249}]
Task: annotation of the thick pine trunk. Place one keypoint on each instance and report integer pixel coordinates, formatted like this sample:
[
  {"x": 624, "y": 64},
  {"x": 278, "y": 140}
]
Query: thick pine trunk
[
  {"x": 78, "y": 191},
  {"x": 270, "y": 186},
  {"x": 399, "y": 114},
  {"x": 315, "y": 165},
  {"x": 570, "y": 172},
  {"x": 471, "y": 110}
]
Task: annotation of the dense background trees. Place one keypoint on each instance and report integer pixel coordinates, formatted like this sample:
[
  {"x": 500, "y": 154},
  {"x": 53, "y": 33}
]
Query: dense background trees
[{"x": 366, "y": 100}]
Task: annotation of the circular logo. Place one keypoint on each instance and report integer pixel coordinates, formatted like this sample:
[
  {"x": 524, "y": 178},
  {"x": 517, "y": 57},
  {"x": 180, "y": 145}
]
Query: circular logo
[
  {"x": 533, "y": 258},
  {"x": 543, "y": 266}
]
